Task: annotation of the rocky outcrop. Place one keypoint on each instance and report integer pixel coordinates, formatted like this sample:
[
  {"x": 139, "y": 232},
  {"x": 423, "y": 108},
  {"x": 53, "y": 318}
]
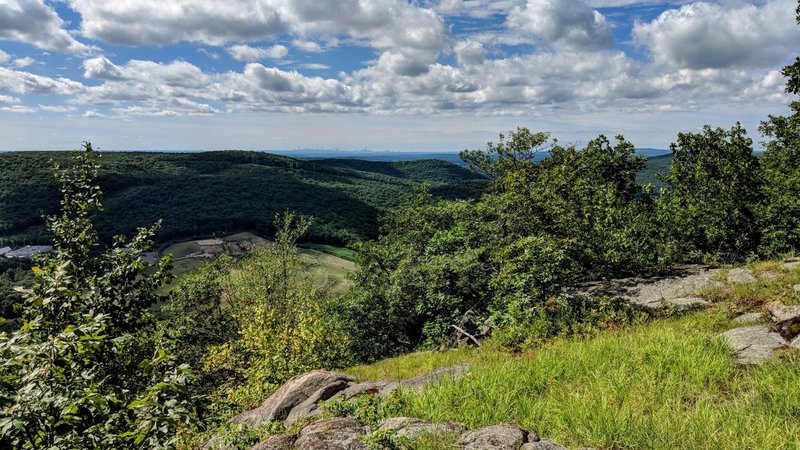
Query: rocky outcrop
[
  {"x": 752, "y": 317},
  {"x": 302, "y": 390},
  {"x": 684, "y": 304},
  {"x": 741, "y": 275},
  {"x": 544, "y": 444},
  {"x": 496, "y": 437},
  {"x": 350, "y": 434},
  {"x": 791, "y": 264},
  {"x": 278, "y": 442},
  {"x": 300, "y": 397},
  {"x": 417, "y": 383},
  {"x": 753, "y": 345},
  {"x": 769, "y": 275},
  {"x": 786, "y": 319},
  {"x": 333, "y": 434},
  {"x": 657, "y": 294}
]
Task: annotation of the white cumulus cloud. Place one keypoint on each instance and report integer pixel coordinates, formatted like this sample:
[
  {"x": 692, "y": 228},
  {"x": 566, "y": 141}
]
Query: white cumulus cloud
[
  {"x": 24, "y": 62},
  {"x": 733, "y": 34},
  {"x": 36, "y": 23},
  {"x": 567, "y": 23},
  {"x": 27, "y": 83},
  {"x": 247, "y": 53}
]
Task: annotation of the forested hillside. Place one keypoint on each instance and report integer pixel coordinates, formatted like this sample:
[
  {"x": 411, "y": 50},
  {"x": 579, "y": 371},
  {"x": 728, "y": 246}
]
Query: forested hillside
[{"x": 197, "y": 194}]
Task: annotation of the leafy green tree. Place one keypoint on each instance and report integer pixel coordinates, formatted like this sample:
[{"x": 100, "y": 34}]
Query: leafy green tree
[
  {"x": 279, "y": 319},
  {"x": 779, "y": 214},
  {"x": 517, "y": 153},
  {"x": 429, "y": 267},
  {"x": 540, "y": 227},
  {"x": 195, "y": 319},
  {"x": 81, "y": 373},
  {"x": 708, "y": 212}
]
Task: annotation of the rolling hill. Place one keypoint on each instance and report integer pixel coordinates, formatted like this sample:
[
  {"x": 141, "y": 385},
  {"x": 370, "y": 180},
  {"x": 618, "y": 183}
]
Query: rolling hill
[{"x": 215, "y": 193}]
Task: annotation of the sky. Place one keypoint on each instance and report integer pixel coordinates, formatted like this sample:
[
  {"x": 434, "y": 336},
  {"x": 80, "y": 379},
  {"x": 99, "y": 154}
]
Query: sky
[{"x": 433, "y": 75}]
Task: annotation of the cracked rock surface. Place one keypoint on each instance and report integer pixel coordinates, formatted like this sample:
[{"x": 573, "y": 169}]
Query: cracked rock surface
[{"x": 754, "y": 344}]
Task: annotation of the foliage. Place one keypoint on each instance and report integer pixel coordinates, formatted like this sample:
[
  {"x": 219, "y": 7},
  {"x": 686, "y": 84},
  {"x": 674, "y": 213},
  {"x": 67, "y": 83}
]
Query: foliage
[
  {"x": 575, "y": 316},
  {"x": 714, "y": 188},
  {"x": 208, "y": 193},
  {"x": 426, "y": 270},
  {"x": 78, "y": 373},
  {"x": 14, "y": 274},
  {"x": 195, "y": 319},
  {"x": 540, "y": 227},
  {"x": 779, "y": 215},
  {"x": 249, "y": 325},
  {"x": 515, "y": 154}
]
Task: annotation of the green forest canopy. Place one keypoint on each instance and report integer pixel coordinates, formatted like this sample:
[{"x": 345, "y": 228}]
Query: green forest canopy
[{"x": 201, "y": 194}]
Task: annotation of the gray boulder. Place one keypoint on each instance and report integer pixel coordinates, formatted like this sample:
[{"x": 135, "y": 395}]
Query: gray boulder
[
  {"x": 785, "y": 318},
  {"x": 332, "y": 434},
  {"x": 314, "y": 386},
  {"x": 796, "y": 288},
  {"x": 791, "y": 264},
  {"x": 356, "y": 390},
  {"x": 795, "y": 343},
  {"x": 544, "y": 444},
  {"x": 768, "y": 275},
  {"x": 753, "y": 345},
  {"x": 749, "y": 318},
  {"x": 741, "y": 275},
  {"x": 413, "y": 428},
  {"x": 495, "y": 437},
  {"x": 653, "y": 295}
]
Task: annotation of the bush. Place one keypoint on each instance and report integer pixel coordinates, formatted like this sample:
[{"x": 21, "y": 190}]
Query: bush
[
  {"x": 248, "y": 325},
  {"x": 81, "y": 372}
]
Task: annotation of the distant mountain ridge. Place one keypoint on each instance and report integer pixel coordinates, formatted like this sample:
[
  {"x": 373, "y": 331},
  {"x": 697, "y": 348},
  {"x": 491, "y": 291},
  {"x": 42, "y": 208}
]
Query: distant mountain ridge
[
  {"x": 221, "y": 192},
  {"x": 208, "y": 193},
  {"x": 392, "y": 156}
]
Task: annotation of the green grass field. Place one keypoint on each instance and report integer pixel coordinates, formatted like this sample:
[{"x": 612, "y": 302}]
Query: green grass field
[
  {"x": 665, "y": 384},
  {"x": 330, "y": 272},
  {"x": 329, "y": 269},
  {"x": 341, "y": 252}
]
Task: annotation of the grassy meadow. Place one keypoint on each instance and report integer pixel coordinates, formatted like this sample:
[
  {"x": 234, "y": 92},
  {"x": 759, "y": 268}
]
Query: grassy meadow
[{"x": 664, "y": 384}]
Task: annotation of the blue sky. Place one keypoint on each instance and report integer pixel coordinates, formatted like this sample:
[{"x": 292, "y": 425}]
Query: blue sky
[{"x": 383, "y": 74}]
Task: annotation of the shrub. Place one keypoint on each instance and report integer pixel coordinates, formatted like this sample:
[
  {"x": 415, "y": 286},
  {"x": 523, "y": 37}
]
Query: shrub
[{"x": 81, "y": 372}]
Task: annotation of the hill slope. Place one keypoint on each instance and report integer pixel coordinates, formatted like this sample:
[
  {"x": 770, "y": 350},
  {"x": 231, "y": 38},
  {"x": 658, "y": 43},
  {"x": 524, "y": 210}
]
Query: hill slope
[
  {"x": 662, "y": 384},
  {"x": 198, "y": 194}
]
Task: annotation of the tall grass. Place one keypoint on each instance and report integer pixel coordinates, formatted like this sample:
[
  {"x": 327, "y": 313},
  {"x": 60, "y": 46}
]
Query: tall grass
[{"x": 665, "y": 385}]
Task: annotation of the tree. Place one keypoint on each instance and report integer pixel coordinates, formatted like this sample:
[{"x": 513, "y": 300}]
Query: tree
[
  {"x": 779, "y": 215},
  {"x": 515, "y": 154},
  {"x": 278, "y": 320},
  {"x": 427, "y": 269},
  {"x": 81, "y": 373},
  {"x": 708, "y": 211},
  {"x": 541, "y": 226}
]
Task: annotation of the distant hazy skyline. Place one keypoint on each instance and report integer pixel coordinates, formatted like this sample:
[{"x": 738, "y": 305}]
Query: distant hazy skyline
[{"x": 433, "y": 75}]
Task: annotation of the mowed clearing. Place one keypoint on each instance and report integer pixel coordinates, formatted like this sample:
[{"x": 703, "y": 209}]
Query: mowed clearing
[{"x": 329, "y": 271}]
